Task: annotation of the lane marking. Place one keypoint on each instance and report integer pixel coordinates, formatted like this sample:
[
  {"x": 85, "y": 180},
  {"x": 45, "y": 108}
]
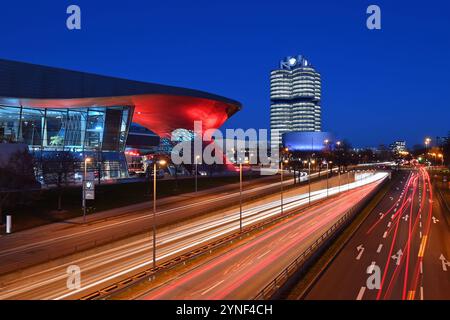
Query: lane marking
[
  {"x": 385, "y": 235},
  {"x": 263, "y": 254},
  {"x": 422, "y": 246},
  {"x": 361, "y": 293},
  {"x": 397, "y": 257},
  {"x": 208, "y": 290},
  {"x": 421, "y": 267},
  {"x": 389, "y": 224},
  {"x": 411, "y": 295},
  {"x": 445, "y": 263},
  {"x": 379, "y": 248},
  {"x": 421, "y": 293}
]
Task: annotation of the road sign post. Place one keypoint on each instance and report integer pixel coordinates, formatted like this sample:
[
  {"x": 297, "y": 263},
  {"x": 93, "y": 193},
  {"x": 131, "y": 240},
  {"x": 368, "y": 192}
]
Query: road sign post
[
  {"x": 88, "y": 190},
  {"x": 8, "y": 224}
]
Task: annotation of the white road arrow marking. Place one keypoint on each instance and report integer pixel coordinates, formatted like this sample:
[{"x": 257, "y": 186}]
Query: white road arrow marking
[
  {"x": 445, "y": 263},
  {"x": 435, "y": 219},
  {"x": 405, "y": 218},
  {"x": 360, "y": 248},
  {"x": 397, "y": 257}
]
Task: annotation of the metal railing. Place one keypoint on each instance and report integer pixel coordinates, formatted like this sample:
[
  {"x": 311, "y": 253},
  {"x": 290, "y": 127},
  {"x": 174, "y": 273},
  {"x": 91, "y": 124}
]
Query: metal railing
[
  {"x": 272, "y": 287},
  {"x": 209, "y": 248}
]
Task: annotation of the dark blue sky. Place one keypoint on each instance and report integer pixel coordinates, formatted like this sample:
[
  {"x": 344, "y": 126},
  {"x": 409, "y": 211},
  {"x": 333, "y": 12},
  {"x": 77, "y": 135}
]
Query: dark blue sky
[{"x": 377, "y": 85}]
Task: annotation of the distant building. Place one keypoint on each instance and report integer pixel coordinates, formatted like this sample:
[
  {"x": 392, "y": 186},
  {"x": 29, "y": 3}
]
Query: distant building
[
  {"x": 398, "y": 146},
  {"x": 295, "y": 93},
  {"x": 307, "y": 141}
]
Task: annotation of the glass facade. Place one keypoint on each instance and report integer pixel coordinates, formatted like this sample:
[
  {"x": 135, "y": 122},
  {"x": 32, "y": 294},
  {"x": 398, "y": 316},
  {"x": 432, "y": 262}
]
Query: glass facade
[
  {"x": 72, "y": 134},
  {"x": 295, "y": 94}
]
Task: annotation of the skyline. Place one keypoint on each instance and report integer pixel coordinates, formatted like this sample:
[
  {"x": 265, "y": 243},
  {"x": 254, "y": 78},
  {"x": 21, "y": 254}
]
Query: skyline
[{"x": 364, "y": 84}]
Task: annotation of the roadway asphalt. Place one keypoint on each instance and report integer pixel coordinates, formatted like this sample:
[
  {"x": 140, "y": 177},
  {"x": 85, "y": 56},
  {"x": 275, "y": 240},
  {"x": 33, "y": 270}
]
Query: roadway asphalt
[
  {"x": 407, "y": 237},
  {"x": 242, "y": 272},
  {"x": 30, "y": 247},
  {"x": 107, "y": 264}
]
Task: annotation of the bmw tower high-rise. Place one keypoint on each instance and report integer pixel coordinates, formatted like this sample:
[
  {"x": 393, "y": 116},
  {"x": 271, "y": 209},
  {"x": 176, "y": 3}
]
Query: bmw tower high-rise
[{"x": 295, "y": 91}]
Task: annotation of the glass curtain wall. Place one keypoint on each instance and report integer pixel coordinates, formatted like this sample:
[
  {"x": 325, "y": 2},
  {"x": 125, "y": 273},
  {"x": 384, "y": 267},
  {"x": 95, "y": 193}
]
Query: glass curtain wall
[{"x": 71, "y": 134}]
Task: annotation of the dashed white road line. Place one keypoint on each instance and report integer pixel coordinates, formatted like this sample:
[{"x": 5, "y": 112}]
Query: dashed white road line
[
  {"x": 379, "y": 248},
  {"x": 361, "y": 293},
  {"x": 263, "y": 254},
  {"x": 210, "y": 288},
  {"x": 385, "y": 235}
]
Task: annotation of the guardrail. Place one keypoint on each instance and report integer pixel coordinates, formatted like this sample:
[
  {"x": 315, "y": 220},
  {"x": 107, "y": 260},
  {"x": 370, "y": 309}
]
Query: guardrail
[
  {"x": 270, "y": 289},
  {"x": 125, "y": 284},
  {"x": 209, "y": 248}
]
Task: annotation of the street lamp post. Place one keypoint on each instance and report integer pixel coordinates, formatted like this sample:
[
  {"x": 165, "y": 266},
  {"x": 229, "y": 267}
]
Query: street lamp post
[
  {"x": 440, "y": 155},
  {"x": 427, "y": 142},
  {"x": 348, "y": 180},
  {"x": 196, "y": 172},
  {"x": 161, "y": 162},
  {"x": 86, "y": 161},
  {"x": 281, "y": 183},
  {"x": 309, "y": 180},
  {"x": 240, "y": 196},
  {"x": 331, "y": 163},
  {"x": 339, "y": 179}
]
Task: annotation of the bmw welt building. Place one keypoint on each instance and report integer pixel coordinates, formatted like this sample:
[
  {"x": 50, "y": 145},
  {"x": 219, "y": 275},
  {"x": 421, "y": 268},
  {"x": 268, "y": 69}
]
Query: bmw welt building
[{"x": 63, "y": 113}]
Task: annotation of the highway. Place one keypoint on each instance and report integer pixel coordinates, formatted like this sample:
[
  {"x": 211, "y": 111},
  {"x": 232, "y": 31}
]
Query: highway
[
  {"x": 111, "y": 263},
  {"x": 407, "y": 237},
  {"x": 30, "y": 247},
  {"x": 242, "y": 272}
]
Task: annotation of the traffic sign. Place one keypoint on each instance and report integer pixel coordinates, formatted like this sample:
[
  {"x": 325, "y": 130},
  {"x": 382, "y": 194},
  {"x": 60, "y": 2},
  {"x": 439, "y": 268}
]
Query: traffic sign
[{"x": 89, "y": 190}]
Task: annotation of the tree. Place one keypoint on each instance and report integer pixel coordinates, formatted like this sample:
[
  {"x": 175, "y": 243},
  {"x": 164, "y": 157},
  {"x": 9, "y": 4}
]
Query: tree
[{"x": 59, "y": 169}]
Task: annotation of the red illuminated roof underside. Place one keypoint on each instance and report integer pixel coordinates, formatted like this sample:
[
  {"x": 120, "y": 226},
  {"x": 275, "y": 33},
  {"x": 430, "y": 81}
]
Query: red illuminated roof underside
[{"x": 159, "y": 113}]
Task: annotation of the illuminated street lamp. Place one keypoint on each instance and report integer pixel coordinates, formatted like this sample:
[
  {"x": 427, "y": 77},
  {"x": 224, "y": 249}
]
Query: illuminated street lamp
[
  {"x": 440, "y": 155},
  {"x": 196, "y": 171},
  {"x": 86, "y": 161},
  {"x": 328, "y": 162},
  {"x": 161, "y": 163},
  {"x": 427, "y": 143},
  {"x": 281, "y": 183},
  {"x": 240, "y": 193},
  {"x": 339, "y": 179},
  {"x": 348, "y": 180},
  {"x": 309, "y": 179}
]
